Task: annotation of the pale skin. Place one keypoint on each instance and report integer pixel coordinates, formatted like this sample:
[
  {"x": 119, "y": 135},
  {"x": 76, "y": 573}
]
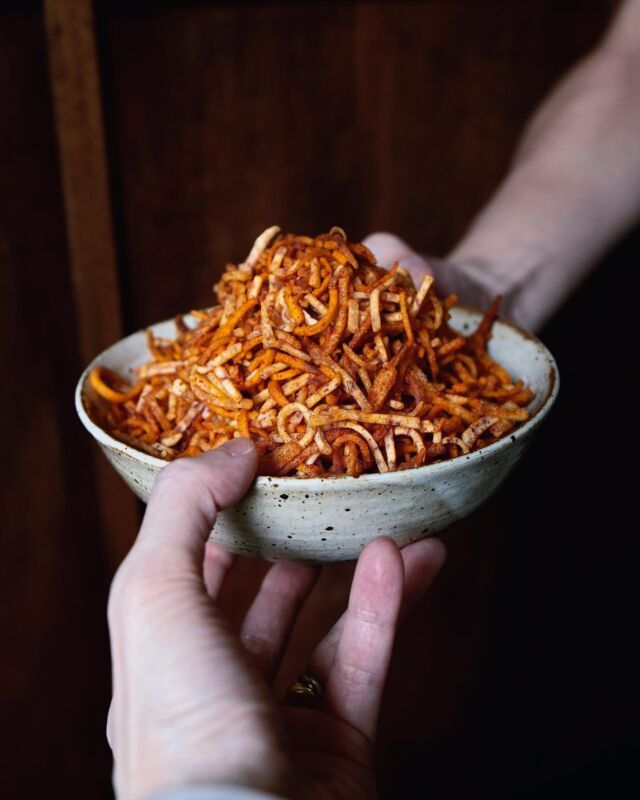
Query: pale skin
[
  {"x": 573, "y": 189},
  {"x": 192, "y": 702}
]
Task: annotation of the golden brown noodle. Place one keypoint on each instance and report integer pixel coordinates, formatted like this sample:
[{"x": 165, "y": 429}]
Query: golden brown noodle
[{"x": 331, "y": 364}]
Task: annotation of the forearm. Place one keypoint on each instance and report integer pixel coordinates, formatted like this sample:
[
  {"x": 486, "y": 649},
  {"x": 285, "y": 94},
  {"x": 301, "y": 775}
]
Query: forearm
[{"x": 573, "y": 189}]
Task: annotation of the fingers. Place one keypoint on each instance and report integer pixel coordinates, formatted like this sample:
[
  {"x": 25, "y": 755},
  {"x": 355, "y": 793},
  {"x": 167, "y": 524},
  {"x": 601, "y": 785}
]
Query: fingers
[
  {"x": 354, "y": 687},
  {"x": 217, "y": 563},
  {"x": 422, "y": 561},
  {"x": 388, "y": 249},
  {"x": 270, "y": 620},
  {"x": 185, "y": 500}
]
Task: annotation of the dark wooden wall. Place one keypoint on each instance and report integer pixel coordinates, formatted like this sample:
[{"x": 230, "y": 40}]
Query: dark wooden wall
[
  {"x": 53, "y": 665},
  {"x": 401, "y": 116},
  {"x": 515, "y": 676}
]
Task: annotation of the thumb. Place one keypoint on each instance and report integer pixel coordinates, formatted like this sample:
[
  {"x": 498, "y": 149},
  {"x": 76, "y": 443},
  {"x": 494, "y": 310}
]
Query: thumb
[
  {"x": 388, "y": 249},
  {"x": 186, "y": 498}
]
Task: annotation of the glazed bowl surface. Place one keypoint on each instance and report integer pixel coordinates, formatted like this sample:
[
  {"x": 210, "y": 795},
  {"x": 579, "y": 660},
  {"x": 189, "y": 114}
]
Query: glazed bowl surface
[{"x": 332, "y": 519}]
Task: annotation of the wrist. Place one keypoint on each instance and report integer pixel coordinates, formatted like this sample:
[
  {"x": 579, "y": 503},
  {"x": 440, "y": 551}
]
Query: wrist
[
  {"x": 472, "y": 281},
  {"x": 475, "y": 284},
  {"x": 517, "y": 279},
  {"x": 246, "y": 757}
]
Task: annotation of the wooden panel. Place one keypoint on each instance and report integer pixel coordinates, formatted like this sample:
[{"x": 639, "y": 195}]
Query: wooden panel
[
  {"x": 54, "y": 672},
  {"x": 77, "y": 102},
  {"x": 227, "y": 118},
  {"x": 76, "y": 93}
]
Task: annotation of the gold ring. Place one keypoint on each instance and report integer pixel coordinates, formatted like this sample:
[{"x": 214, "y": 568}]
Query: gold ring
[{"x": 305, "y": 691}]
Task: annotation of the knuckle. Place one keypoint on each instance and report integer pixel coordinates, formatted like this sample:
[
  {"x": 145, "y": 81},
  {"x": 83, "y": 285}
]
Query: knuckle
[
  {"x": 356, "y": 675},
  {"x": 278, "y": 592},
  {"x": 382, "y": 237},
  {"x": 366, "y": 616},
  {"x": 260, "y": 647},
  {"x": 374, "y": 621},
  {"x": 190, "y": 478},
  {"x": 182, "y": 469},
  {"x": 134, "y": 584}
]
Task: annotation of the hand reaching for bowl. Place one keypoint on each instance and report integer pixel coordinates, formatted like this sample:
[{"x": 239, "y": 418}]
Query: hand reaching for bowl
[
  {"x": 473, "y": 284},
  {"x": 192, "y": 704}
]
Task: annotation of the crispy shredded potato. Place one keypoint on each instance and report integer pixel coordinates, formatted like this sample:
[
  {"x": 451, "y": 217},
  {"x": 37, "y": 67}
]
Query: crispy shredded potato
[{"x": 330, "y": 363}]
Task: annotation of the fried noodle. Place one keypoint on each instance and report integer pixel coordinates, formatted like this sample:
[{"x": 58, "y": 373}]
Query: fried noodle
[{"x": 330, "y": 363}]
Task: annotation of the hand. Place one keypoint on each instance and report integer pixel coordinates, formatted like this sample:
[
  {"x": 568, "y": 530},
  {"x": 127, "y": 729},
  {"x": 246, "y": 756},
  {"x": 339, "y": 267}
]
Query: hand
[
  {"x": 471, "y": 282},
  {"x": 191, "y": 700}
]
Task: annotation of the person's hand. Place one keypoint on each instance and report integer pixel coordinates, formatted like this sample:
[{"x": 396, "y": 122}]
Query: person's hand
[
  {"x": 191, "y": 702},
  {"x": 471, "y": 282}
]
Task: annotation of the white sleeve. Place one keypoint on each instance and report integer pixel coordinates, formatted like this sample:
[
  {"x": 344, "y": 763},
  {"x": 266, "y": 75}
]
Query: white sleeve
[{"x": 214, "y": 792}]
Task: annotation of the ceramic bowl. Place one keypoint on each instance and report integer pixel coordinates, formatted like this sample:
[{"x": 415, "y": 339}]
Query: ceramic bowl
[{"x": 332, "y": 519}]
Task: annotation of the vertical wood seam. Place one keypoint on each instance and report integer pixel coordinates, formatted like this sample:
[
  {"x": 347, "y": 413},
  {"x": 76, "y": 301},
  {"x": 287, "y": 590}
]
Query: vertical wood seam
[{"x": 77, "y": 103}]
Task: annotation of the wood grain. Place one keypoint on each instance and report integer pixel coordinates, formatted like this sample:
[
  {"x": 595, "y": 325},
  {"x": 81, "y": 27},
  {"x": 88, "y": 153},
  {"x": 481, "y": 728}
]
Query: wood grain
[
  {"x": 77, "y": 100},
  {"x": 54, "y": 671},
  {"x": 372, "y": 115}
]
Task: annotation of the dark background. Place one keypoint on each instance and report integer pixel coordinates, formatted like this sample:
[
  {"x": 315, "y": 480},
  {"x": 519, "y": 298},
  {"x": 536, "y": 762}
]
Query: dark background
[{"x": 517, "y": 674}]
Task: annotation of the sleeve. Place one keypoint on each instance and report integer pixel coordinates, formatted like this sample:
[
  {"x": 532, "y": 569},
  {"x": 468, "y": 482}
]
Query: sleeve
[{"x": 214, "y": 792}]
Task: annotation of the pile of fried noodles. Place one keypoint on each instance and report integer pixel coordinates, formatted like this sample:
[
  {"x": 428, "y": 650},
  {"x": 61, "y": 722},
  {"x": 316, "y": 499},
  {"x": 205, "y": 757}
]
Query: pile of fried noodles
[{"x": 330, "y": 363}]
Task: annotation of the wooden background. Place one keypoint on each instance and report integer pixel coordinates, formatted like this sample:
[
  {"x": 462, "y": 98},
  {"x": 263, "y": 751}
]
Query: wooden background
[{"x": 141, "y": 149}]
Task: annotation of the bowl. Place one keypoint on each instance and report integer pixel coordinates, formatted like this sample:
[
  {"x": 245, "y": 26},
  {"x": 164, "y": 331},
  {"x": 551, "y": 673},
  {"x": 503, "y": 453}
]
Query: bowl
[{"x": 332, "y": 519}]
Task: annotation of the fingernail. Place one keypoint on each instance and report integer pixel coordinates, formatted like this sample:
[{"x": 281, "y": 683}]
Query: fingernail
[{"x": 238, "y": 447}]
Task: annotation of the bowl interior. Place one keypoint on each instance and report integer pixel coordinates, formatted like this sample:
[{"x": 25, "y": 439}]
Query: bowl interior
[{"x": 519, "y": 352}]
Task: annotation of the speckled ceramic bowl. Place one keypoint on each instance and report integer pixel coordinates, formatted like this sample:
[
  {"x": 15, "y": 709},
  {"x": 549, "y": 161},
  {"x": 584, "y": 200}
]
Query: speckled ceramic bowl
[{"x": 332, "y": 519}]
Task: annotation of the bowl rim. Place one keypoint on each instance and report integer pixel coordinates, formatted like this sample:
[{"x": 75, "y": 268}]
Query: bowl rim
[{"x": 340, "y": 481}]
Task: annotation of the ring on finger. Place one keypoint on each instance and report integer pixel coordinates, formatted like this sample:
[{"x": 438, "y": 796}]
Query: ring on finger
[{"x": 306, "y": 692}]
